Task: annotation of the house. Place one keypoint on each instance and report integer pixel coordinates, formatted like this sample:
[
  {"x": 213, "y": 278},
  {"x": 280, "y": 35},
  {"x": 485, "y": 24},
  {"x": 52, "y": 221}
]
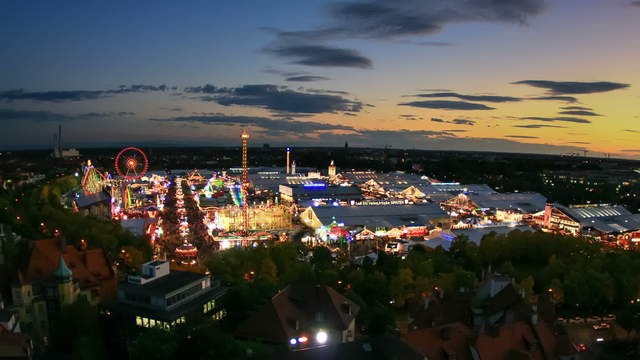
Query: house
[
  {"x": 492, "y": 322},
  {"x": 303, "y": 316},
  {"x": 452, "y": 341},
  {"x": 376, "y": 348},
  {"x": 56, "y": 275},
  {"x": 13, "y": 343}
]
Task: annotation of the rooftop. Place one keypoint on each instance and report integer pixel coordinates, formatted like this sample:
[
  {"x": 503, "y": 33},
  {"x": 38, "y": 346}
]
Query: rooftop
[
  {"x": 381, "y": 215},
  {"x": 163, "y": 285}
]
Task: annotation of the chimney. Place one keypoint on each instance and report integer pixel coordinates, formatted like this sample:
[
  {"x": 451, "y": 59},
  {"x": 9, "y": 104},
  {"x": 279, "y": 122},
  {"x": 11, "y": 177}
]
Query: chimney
[
  {"x": 60, "y": 139},
  {"x": 297, "y": 324}
]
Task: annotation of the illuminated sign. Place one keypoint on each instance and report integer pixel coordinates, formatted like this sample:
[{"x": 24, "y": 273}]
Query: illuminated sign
[{"x": 315, "y": 185}]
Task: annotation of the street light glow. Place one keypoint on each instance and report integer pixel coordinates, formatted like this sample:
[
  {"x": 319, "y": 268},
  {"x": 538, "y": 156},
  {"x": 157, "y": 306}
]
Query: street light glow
[{"x": 321, "y": 337}]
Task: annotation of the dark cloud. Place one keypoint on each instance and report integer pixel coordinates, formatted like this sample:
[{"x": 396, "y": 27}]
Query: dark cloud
[
  {"x": 573, "y": 87},
  {"x": 456, "y": 130},
  {"x": 320, "y": 55},
  {"x": 381, "y": 19},
  {"x": 522, "y": 136},
  {"x": 47, "y": 116},
  {"x": 631, "y": 131},
  {"x": 551, "y": 119},
  {"x": 206, "y": 89},
  {"x": 447, "y": 105},
  {"x": 175, "y": 109},
  {"x": 569, "y": 99},
  {"x": 538, "y": 126},
  {"x": 455, "y": 121},
  {"x": 463, "y": 122},
  {"x": 323, "y": 91},
  {"x": 487, "y": 98},
  {"x": 262, "y": 122},
  {"x": 579, "y": 113},
  {"x": 579, "y": 142},
  {"x": 635, "y": 3},
  {"x": 306, "y": 78},
  {"x": 410, "y": 117},
  {"x": 278, "y": 99},
  {"x": 37, "y": 116},
  {"x": 107, "y": 114},
  {"x": 576, "y": 108},
  {"x": 75, "y": 95},
  {"x": 401, "y": 18},
  {"x": 631, "y": 150}
]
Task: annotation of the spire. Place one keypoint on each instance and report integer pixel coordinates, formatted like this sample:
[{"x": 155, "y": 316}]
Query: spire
[{"x": 63, "y": 273}]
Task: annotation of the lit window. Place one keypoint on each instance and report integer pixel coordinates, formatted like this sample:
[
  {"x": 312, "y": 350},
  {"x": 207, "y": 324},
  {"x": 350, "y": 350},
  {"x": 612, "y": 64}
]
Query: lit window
[
  {"x": 138, "y": 321},
  {"x": 145, "y": 322}
]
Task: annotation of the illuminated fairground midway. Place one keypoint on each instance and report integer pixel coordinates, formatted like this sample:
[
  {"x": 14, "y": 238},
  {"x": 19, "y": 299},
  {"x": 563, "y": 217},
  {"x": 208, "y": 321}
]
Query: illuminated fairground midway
[{"x": 237, "y": 222}]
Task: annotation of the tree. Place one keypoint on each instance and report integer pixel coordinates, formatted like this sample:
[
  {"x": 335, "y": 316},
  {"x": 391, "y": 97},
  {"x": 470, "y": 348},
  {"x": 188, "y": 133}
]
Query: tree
[
  {"x": 527, "y": 286},
  {"x": 401, "y": 287},
  {"x": 557, "y": 291},
  {"x": 154, "y": 344},
  {"x": 268, "y": 271},
  {"x": 321, "y": 259}
]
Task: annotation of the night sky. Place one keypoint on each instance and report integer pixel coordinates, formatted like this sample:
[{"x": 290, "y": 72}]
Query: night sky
[{"x": 518, "y": 76}]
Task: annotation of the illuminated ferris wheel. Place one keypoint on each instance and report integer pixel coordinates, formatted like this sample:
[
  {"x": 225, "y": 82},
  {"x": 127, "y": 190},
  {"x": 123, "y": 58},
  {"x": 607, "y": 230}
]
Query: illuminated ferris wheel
[{"x": 131, "y": 163}]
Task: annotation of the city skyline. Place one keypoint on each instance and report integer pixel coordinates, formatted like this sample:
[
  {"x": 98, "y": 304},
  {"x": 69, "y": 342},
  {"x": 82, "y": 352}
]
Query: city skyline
[{"x": 526, "y": 76}]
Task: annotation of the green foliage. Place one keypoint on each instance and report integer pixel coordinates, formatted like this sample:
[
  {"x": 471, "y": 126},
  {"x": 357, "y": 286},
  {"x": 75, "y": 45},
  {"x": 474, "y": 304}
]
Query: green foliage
[
  {"x": 42, "y": 205},
  {"x": 76, "y": 329},
  {"x": 154, "y": 344}
]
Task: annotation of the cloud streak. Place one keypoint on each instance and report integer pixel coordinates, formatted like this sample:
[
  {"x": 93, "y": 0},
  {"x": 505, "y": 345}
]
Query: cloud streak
[
  {"x": 573, "y": 87},
  {"x": 455, "y": 121},
  {"x": 561, "y": 118},
  {"x": 484, "y": 98},
  {"x": 306, "y": 78},
  {"x": 320, "y": 55},
  {"x": 579, "y": 113},
  {"x": 447, "y": 105},
  {"x": 538, "y": 126},
  {"x": 58, "y": 96},
  {"x": 262, "y": 122},
  {"x": 277, "y": 99}
]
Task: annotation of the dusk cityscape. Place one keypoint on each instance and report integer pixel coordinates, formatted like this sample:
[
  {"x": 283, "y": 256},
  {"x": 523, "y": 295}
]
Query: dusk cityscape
[{"x": 320, "y": 179}]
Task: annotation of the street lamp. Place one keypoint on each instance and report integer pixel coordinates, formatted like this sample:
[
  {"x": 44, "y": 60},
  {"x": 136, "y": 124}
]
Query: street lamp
[{"x": 321, "y": 337}]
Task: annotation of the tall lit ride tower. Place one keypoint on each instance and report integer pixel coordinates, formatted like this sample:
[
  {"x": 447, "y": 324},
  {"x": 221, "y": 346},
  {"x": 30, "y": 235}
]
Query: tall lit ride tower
[
  {"x": 288, "y": 158},
  {"x": 245, "y": 205},
  {"x": 332, "y": 169}
]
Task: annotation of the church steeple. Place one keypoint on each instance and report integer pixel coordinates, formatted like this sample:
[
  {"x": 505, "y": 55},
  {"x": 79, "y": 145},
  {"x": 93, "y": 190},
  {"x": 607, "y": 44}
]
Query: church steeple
[{"x": 63, "y": 273}]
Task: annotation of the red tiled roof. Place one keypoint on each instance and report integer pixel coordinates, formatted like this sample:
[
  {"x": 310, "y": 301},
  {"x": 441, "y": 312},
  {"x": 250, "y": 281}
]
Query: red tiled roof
[
  {"x": 298, "y": 303},
  {"x": 433, "y": 345},
  {"x": 90, "y": 268},
  {"x": 516, "y": 337}
]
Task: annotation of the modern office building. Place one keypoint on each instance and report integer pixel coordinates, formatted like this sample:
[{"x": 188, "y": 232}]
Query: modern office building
[{"x": 161, "y": 297}]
